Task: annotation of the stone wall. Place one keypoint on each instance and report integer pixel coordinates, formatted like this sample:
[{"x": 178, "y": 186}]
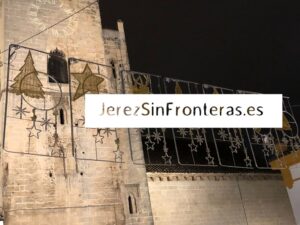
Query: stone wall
[
  {"x": 91, "y": 183},
  {"x": 219, "y": 199}
]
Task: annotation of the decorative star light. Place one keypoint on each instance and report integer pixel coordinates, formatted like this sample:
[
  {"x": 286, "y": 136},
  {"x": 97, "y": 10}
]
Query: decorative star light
[
  {"x": 167, "y": 159},
  {"x": 256, "y": 138},
  {"x": 297, "y": 146},
  {"x": 210, "y": 159},
  {"x": 33, "y": 131},
  {"x": 266, "y": 151},
  {"x": 88, "y": 82},
  {"x": 233, "y": 148},
  {"x": 285, "y": 140},
  {"x": 222, "y": 133},
  {"x": 20, "y": 111},
  {"x": 193, "y": 147},
  {"x": 238, "y": 141},
  {"x": 156, "y": 136},
  {"x": 107, "y": 131},
  {"x": 271, "y": 148},
  {"x": 118, "y": 153},
  {"x": 271, "y": 138},
  {"x": 248, "y": 162},
  {"x": 98, "y": 137},
  {"x": 150, "y": 145},
  {"x": 183, "y": 132},
  {"x": 45, "y": 123},
  {"x": 269, "y": 141},
  {"x": 200, "y": 139}
]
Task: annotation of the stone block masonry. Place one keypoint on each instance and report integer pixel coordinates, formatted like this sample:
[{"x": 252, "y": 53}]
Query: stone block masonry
[{"x": 219, "y": 199}]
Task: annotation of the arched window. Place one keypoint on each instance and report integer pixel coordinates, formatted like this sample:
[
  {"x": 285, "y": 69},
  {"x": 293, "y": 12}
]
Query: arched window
[
  {"x": 61, "y": 116},
  {"x": 58, "y": 67},
  {"x": 132, "y": 204},
  {"x": 113, "y": 69}
]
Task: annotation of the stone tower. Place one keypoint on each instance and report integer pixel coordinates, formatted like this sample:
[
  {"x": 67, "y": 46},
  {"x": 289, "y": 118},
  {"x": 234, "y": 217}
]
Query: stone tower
[{"x": 54, "y": 170}]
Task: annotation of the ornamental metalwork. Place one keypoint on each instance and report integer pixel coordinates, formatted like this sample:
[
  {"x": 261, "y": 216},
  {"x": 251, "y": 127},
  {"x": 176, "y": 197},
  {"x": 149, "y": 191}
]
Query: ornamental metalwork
[
  {"x": 92, "y": 78},
  {"x": 232, "y": 148},
  {"x": 50, "y": 120}
]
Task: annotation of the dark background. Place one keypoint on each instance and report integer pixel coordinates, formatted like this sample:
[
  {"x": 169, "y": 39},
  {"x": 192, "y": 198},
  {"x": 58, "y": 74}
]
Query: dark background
[{"x": 240, "y": 44}]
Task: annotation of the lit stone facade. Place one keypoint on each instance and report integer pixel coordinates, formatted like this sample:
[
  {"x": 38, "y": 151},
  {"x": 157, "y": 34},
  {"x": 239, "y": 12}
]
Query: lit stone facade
[
  {"x": 80, "y": 188},
  {"x": 65, "y": 174}
]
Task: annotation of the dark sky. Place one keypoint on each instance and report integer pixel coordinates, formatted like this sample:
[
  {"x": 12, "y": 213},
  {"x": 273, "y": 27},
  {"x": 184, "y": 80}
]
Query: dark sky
[{"x": 240, "y": 44}]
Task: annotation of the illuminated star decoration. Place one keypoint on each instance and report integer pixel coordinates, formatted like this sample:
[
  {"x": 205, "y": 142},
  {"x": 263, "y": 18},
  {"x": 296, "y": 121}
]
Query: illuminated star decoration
[
  {"x": 200, "y": 139},
  {"x": 20, "y": 111},
  {"x": 285, "y": 140},
  {"x": 88, "y": 82},
  {"x": 45, "y": 123},
  {"x": 193, "y": 147},
  {"x": 238, "y": 142},
  {"x": 150, "y": 144},
  {"x": 98, "y": 137},
  {"x": 107, "y": 131},
  {"x": 233, "y": 148},
  {"x": 256, "y": 138},
  {"x": 33, "y": 131},
  {"x": 210, "y": 159},
  {"x": 248, "y": 161},
  {"x": 118, "y": 152},
  {"x": 157, "y": 137},
  {"x": 183, "y": 132},
  {"x": 167, "y": 159},
  {"x": 222, "y": 133},
  {"x": 266, "y": 151},
  {"x": 296, "y": 146}
]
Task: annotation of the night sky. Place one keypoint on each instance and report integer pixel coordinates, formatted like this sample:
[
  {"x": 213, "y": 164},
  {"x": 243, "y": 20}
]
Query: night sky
[{"x": 240, "y": 44}]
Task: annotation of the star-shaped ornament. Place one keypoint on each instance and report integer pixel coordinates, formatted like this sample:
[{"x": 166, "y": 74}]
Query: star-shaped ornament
[
  {"x": 210, "y": 160},
  {"x": 118, "y": 155},
  {"x": 256, "y": 138},
  {"x": 34, "y": 132},
  {"x": 88, "y": 82},
  {"x": 107, "y": 131},
  {"x": 248, "y": 162},
  {"x": 233, "y": 148},
  {"x": 285, "y": 140},
  {"x": 45, "y": 123},
  {"x": 157, "y": 137},
  {"x": 200, "y": 139},
  {"x": 150, "y": 145},
  {"x": 222, "y": 133},
  {"x": 167, "y": 159},
  {"x": 193, "y": 147},
  {"x": 266, "y": 151},
  {"x": 20, "y": 111},
  {"x": 182, "y": 132},
  {"x": 98, "y": 137}
]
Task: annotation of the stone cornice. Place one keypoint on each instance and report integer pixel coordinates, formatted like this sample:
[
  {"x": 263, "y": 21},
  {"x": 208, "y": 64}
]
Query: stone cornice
[{"x": 156, "y": 177}]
